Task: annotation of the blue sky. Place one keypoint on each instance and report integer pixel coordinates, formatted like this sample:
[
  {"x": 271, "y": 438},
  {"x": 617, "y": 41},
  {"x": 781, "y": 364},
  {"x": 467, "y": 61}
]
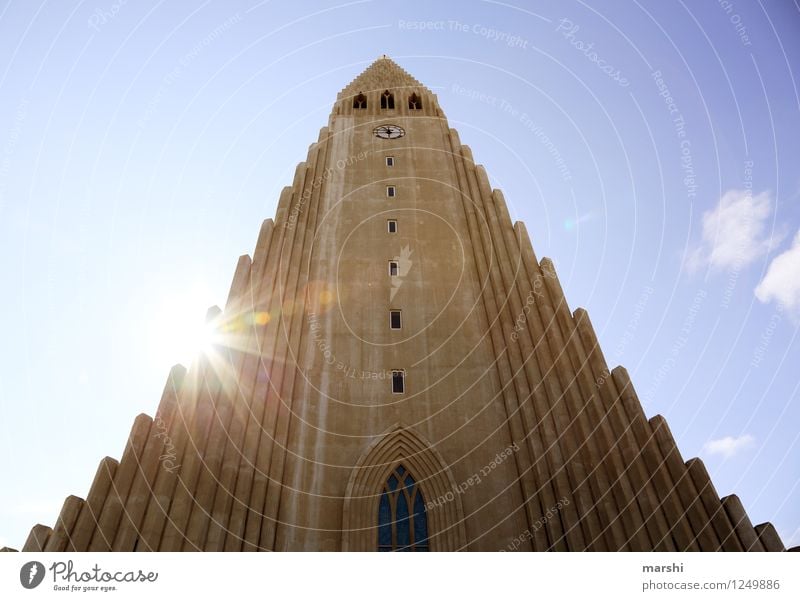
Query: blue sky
[{"x": 650, "y": 147}]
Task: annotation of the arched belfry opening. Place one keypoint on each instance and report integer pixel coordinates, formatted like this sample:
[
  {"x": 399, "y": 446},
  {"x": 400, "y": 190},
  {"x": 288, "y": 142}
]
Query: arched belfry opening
[
  {"x": 387, "y": 100},
  {"x": 360, "y": 101},
  {"x": 401, "y": 496},
  {"x": 414, "y": 102}
]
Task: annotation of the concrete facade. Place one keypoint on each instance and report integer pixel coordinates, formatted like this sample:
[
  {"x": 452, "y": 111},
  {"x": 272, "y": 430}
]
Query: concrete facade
[{"x": 517, "y": 433}]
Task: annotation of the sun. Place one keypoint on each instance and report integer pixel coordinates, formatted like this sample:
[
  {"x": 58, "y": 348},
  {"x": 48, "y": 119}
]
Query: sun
[{"x": 177, "y": 331}]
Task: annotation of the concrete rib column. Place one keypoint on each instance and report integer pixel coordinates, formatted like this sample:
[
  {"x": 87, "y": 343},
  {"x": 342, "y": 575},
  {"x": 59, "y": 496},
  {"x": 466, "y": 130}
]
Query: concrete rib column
[
  {"x": 90, "y": 511},
  {"x": 625, "y": 461},
  {"x": 523, "y": 386},
  {"x": 172, "y": 424},
  {"x": 555, "y": 366},
  {"x": 553, "y": 348},
  {"x": 540, "y": 327},
  {"x": 231, "y": 322},
  {"x": 37, "y": 539},
  {"x": 626, "y": 445},
  {"x": 563, "y": 348},
  {"x": 267, "y": 387},
  {"x": 297, "y": 295},
  {"x": 622, "y": 519},
  {"x": 257, "y": 372},
  {"x": 692, "y": 511},
  {"x": 741, "y": 523},
  {"x": 553, "y": 533},
  {"x": 225, "y": 499},
  {"x": 522, "y": 254},
  {"x": 769, "y": 537},
  {"x": 120, "y": 486},
  {"x": 273, "y": 388},
  {"x": 713, "y": 505},
  {"x": 500, "y": 377},
  {"x": 656, "y": 522},
  {"x": 657, "y": 477},
  {"x": 633, "y": 532},
  {"x": 142, "y": 488},
  {"x": 195, "y": 445},
  {"x": 546, "y": 404},
  {"x": 60, "y": 537}
]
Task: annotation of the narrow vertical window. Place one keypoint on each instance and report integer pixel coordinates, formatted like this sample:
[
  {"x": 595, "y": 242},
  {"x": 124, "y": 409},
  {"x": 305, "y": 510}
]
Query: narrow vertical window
[
  {"x": 387, "y": 100},
  {"x": 394, "y": 268},
  {"x": 392, "y": 224},
  {"x": 398, "y": 381},
  {"x": 390, "y": 161},
  {"x": 390, "y": 191},
  {"x": 414, "y": 102},
  {"x": 402, "y": 522},
  {"x": 394, "y": 320}
]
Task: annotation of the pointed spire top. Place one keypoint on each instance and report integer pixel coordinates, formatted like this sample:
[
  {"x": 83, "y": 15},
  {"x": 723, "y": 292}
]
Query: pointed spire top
[{"x": 382, "y": 74}]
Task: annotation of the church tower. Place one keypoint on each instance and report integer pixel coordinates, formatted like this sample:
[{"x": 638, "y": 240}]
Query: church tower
[{"x": 395, "y": 369}]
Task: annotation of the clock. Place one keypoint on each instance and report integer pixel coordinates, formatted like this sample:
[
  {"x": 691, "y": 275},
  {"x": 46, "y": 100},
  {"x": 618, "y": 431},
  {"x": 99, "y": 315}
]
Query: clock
[{"x": 389, "y": 132}]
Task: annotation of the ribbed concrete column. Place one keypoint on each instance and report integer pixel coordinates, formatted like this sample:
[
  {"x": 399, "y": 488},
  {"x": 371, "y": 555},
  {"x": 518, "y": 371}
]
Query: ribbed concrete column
[
  {"x": 287, "y": 257},
  {"x": 225, "y": 362},
  {"x": 256, "y": 373},
  {"x": 597, "y": 430},
  {"x": 556, "y": 365},
  {"x": 296, "y": 295},
  {"x": 86, "y": 523},
  {"x": 37, "y": 539},
  {"x": 60, "y": 536},
  {"x": 713, "y": 506},
  {"x": 143, "y": 486},
  {"x": 769, "y": 537},
  {"x": 171, "y": 429},
  {"x": 657, "y": 526},
  {"x": 184, "y": 500},
  {"x": 741, "y": 523},
  {"x": 685, "y": 504},
  {"x": 527, "y": 438},
  {"x": 625, "y": 462},
  {"x": 120, "y": 486}
]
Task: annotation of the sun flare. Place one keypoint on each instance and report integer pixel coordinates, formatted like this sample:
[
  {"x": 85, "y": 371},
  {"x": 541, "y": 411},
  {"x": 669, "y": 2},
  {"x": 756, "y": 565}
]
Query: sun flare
[{"x": 177, "y": 329}]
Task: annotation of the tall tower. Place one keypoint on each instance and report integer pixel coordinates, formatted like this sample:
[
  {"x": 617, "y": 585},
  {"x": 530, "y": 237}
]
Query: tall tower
[{"x": 396, "y": 370}]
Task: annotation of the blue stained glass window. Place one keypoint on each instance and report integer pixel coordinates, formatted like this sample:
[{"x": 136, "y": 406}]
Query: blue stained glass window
[
  {"x": 385, "y": 521},
  {"x": 420, "y": 524},
  {"x": 402, "y": 522}
]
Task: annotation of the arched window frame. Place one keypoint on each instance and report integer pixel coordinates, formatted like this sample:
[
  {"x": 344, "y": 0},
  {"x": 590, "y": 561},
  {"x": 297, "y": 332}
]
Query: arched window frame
[
  {"x": 402, "y": 445},
  {"x": 414, "y": 102}
]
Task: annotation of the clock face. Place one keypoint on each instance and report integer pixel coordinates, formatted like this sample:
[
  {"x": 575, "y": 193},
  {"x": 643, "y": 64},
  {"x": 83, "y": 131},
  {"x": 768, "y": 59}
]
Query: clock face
[{"x": 389, "y": 132}]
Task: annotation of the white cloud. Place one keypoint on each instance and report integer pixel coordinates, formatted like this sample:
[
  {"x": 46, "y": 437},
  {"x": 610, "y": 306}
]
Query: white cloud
[
  {"x": 734, "y": 232},
  {"x": 782, "y": 282},
  {"x": 729, "y": 446}
]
